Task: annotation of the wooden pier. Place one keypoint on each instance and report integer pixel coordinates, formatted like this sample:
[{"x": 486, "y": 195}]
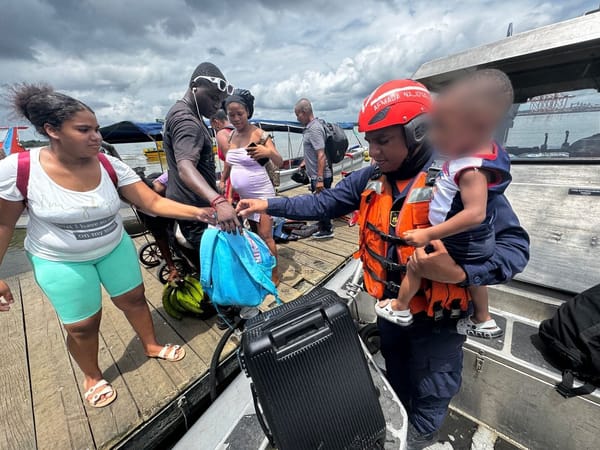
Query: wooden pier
[{"x": 41, "y": 398}]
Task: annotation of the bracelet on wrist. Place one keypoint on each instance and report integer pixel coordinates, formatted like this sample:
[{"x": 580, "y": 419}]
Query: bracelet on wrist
[{"x": 217, "y": 200}]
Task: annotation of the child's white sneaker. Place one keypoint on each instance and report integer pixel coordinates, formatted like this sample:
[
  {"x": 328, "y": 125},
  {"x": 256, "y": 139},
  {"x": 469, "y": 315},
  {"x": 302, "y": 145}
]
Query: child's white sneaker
[
  {"x": 486, "y": 330},
  {"x": 401, "y": 317}
]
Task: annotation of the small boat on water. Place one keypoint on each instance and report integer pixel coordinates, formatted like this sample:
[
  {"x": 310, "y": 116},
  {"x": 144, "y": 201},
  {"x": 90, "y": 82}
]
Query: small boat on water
[
  {"x": 152, "y": 154},
  {"x": 508, "y": 384}
]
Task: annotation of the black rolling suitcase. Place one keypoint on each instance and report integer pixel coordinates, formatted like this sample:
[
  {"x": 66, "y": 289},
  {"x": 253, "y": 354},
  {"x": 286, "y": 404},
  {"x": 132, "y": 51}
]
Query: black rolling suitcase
[{"x": 310, "y": 378}]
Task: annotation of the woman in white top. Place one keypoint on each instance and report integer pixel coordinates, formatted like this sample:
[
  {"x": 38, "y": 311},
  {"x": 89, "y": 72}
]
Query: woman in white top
[{"x": 75, "y": 238}]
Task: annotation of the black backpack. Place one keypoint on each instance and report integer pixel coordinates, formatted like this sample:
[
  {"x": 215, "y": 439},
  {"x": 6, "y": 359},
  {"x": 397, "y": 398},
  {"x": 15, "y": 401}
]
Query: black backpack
[
  {"x": 572, "y": 338},
  {"x": 336, "y": 142}
]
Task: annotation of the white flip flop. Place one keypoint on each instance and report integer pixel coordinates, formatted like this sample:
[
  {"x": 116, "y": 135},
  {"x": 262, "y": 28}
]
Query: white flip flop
[
  {"x": 485, "y": 330},
  {"x": 171, "y": 353},
  {"x": 401, "y": 317},
  {"x": 94, "y": 399}
]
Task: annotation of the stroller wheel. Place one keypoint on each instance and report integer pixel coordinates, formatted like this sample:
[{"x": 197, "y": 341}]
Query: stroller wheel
[
  {"x": 163, "y": 270},
  {"x": 149, "y": 255},
  {"x": 370, "y": 336}
]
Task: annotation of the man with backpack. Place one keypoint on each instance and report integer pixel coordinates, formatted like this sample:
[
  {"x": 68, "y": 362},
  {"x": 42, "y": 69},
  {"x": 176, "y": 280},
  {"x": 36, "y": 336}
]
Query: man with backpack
[{"x": 315, "y": 161}]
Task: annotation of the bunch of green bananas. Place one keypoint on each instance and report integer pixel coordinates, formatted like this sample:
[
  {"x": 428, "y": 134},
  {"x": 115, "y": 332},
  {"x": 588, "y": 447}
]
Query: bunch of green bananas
[{"x": 183, "y": 297}]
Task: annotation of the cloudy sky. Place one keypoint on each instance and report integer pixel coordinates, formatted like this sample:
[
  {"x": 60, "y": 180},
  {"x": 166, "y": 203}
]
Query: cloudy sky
[{"x": 133, "y": 59}]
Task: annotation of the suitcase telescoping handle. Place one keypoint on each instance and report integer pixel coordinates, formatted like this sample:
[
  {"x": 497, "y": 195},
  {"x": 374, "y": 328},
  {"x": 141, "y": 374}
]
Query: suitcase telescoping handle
[{"x": 295, "y": 335}]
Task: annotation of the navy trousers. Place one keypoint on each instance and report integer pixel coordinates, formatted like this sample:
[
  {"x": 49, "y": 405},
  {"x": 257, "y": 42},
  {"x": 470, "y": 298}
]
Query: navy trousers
[{"x": 424, "y": 365}]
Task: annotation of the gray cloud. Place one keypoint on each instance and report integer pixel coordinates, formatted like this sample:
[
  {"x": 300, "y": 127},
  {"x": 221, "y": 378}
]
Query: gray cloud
[
  {"x": 216, "y": 51},
  {"x": 132, "y": 60}
]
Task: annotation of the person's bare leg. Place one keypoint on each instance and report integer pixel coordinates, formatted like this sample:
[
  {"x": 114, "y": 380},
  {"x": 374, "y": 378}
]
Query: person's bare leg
[
  {"x": 134, "y": 306},
  {"x": 408, "y": 288},
  {"x": 82, "y": 343},
  {"x": 165, "y": 251},
  {"x": 479, "y": 295},
  {"x": 264, "y": 229}
]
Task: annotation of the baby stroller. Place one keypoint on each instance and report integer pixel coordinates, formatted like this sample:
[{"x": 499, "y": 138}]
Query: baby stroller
[
  {"x": 150, "y": 254},
  {"x": 165, "y": 247}
]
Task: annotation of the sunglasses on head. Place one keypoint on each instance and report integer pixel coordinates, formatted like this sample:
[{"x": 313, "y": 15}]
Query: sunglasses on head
[{"x": 221, "y": 84}]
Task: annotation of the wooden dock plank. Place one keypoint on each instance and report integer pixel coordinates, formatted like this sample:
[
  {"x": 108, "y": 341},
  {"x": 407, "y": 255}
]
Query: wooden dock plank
[
  {"x": 60, "y": 417},
  {"x": 314, "y": 259},
  {"x": 288, "y": 293},
  {"x": 185, "y": 371},
  {"x": 111, "y": 423},
  {"x": 16, "y": 415},
  {"x": 200, "y": 336},
  {"x": 345, "y": 233},
  {"x": 332, "y": 246},
  {"x": 197, "y": 334},
  {"x": 181, "y": 373},
  {"x": 293, "y": 267},
  {"x": 319, "y": 254},
  {"x": 148, "y": 383}
]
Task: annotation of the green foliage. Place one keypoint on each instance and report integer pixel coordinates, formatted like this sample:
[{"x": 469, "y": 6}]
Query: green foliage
[{"x": 33, "y": 143}]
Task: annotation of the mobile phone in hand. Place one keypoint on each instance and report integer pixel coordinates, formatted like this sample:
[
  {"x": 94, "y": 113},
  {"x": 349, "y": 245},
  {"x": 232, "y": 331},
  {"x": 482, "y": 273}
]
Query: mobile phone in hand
[{"x": 249, "y": 149}]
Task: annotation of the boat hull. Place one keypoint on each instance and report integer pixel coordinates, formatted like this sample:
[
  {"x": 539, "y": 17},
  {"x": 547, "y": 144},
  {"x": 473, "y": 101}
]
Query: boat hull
[
  {"x": 524, "y": 407},
  {"x": 509, "y": 385},
  {"x": 231, "y": 422}
]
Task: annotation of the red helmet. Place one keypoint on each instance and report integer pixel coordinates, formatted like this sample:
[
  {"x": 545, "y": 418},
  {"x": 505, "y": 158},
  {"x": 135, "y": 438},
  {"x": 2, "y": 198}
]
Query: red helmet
[{"x": 397, "y": 102}]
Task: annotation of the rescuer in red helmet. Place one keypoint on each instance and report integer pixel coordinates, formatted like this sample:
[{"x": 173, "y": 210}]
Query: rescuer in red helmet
[{"x": 423, "y": 361}]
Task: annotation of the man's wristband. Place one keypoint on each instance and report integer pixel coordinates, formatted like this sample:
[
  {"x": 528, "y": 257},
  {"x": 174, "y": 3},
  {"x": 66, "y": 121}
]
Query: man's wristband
[{"x": 217, "y": 200}]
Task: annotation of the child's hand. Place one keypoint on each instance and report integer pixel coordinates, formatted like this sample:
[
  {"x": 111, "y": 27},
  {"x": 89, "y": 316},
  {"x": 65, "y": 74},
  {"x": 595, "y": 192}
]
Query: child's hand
[{"x": 416, "y": 238}]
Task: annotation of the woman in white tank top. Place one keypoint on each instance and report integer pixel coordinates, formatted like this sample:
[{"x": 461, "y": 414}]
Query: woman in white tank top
[{"x": 249, "y": 150}]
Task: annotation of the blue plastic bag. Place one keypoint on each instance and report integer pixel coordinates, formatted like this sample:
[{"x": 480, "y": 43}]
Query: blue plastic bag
[{"x": 236, "y": 269}]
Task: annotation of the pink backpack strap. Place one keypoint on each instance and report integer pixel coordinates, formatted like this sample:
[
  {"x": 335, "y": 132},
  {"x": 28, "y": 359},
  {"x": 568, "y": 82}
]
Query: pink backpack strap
[
  {"x": 109, "y": 169},
  {"x": 23, "y": 170}
]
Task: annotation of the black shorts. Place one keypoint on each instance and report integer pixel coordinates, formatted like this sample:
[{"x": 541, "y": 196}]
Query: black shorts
[
  {"x": 158, "y": 226},
  {"x": 192, "y": 232}
]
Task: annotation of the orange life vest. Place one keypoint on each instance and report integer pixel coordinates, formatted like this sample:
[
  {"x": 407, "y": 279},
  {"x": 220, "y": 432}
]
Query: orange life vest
[{"x": 375, "y": 220}]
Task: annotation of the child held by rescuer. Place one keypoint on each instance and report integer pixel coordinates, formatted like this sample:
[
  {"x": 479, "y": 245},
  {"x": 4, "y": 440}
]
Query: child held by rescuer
[{"x": 466, "y": 115}]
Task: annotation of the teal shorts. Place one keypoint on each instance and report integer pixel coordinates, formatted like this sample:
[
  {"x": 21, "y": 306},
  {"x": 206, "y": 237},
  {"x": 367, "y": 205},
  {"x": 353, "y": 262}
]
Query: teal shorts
[{"x": 74, "y": 288}]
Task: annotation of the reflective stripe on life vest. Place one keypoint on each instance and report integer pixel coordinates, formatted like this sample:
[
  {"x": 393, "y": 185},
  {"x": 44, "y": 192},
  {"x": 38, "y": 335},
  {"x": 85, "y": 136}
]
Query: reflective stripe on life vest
[{"x": 375, "y": 219}]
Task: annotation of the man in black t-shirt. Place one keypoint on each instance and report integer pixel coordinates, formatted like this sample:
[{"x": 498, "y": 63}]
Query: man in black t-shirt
[{"x": 188, "y": 146}]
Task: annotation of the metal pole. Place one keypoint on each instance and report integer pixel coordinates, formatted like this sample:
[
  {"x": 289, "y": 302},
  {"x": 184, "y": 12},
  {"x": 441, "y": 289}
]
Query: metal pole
[
  {"x": 162, "y": 169},
  {"x": 509, "y": 32}
]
